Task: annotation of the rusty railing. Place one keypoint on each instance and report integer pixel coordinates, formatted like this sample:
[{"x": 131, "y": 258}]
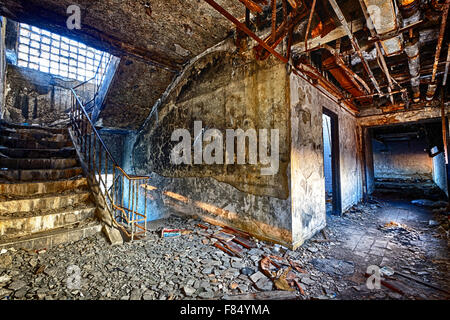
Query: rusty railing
[{"x": 122, "y": 196}]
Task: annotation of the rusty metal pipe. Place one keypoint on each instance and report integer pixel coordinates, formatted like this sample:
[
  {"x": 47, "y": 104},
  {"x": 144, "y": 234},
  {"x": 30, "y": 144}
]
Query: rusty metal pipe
[
  {"x": 274, "y": 20},
  {"x": 411, "y": 15},
  {"x": 309, "y": 24},
  {"x": 374, "y": 95},
  {"x": 444, "y": 126},
  {"x": 326, "y": 84},
  {"x": 354, "y": 42},
  {"x": 373, "y": 33},
  {"x": 444, "y": 82},
  {"x": 432, "y": 86},
  {"x": 357, "y": 80},
  {"x": 412, "y": 51},
  {"x": 244, "y": 28}
]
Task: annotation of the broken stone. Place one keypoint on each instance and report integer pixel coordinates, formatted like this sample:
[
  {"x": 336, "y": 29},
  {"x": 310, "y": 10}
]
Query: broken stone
[
  {"x": 206, "y": 295},
  {"x": 307, "y": 281},
  {"x": 5, "y": 293},
  {"x": 5, "y": 261},
  {"x": 16, "y": 285},
  {"x": 334, "y": 267},
  {"x": 189, "y": 291},
  {"x": 114, "y": 236},
  {"x": 247, "y": 271},
  {"x": 313, "y": 249},
  {"x": 4, "y": 279},
  {"x": 257, "y": 276},
  {"x": 264, "y": 284}
]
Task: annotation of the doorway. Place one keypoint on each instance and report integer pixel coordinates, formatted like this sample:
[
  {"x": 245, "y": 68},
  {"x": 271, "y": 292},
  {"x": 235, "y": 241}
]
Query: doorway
[{"x": 331, "y": 162}]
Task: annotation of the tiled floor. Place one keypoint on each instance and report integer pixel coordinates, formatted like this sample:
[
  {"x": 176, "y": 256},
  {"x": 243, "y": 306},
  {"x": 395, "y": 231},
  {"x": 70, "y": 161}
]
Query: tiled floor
[{"x": 364, "y": 243}]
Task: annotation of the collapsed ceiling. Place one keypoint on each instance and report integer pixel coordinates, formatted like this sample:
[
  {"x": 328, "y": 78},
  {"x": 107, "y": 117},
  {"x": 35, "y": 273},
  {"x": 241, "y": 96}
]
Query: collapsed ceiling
[{"x": 388, "y": 54}]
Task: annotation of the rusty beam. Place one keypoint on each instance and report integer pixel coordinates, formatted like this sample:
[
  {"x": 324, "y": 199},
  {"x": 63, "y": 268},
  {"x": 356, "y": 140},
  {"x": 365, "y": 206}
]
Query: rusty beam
[
  {"x": 432, "y": 87},
  {"x": 354, "y": 43},
  {"x": 444, "y": 126},
  {"x": 323, "y": 82},
  {"x": 447, "y": 63},
  {"x": 356, "y": 79},
  {"x": 327, "y": 85},
  {"x": 337, "y": 33},
  {"x": 374, "y": 94},
  {"x": 251, "y": 6},
  {"x": 380, "y": 55},
  {"x": 311, "y": 13},
  {"x": 244, "y": 28},
  {"x": 285, "y": 27},
  {"x": 274, "y": 20}
]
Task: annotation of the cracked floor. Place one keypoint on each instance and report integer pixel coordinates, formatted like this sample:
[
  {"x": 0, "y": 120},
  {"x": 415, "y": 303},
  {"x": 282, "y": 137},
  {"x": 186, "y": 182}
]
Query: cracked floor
[{"x": 189, "y": 267}]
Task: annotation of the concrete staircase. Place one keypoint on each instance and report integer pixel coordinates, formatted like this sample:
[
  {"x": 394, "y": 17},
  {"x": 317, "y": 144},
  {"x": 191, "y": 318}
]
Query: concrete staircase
[{"x": 44, "y": 198}]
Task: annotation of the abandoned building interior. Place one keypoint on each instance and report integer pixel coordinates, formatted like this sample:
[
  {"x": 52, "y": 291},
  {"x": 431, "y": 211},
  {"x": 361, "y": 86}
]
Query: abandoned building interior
[{"x": 353, "y": 96}]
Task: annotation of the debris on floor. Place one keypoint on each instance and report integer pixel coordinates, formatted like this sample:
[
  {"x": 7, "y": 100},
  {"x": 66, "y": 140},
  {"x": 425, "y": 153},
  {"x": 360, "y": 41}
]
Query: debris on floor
[{"x": 200, "y": 266}]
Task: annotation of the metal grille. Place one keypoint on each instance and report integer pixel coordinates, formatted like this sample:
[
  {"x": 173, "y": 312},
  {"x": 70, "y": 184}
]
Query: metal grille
[{"x": 51, "y": 53}]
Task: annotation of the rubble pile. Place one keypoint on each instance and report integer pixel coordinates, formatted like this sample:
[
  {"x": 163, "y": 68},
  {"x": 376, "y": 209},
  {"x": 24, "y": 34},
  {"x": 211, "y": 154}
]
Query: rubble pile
[{"x": 191, "y": 259}]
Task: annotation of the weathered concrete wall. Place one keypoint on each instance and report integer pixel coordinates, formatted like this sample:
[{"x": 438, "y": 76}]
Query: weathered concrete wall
[
  {"x": 402, "y": 160},
  {"x": 35, "y": 97},
  {"x": 369, "y": 168},
  {"x": 307, "y": 170},
  {"x": 115, "y": 143},
  {"x": 224, "y": 91},
  {"x": 2, "y": 63},
  {"x": 135, "y": 87},
  {"x": 440, "y": 173}
]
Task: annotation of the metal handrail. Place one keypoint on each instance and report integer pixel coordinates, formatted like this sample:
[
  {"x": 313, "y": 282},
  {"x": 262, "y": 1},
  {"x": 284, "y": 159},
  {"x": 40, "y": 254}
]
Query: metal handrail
[
  {"x": 121, "y": 196},
  {"x": 97, "y": 81}
]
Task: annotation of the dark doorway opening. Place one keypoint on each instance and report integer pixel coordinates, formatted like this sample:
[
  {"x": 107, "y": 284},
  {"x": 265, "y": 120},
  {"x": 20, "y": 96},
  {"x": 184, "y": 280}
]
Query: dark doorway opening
[
  {"x": 409, "y": 160},
  {"x": 331, "y": 162}
]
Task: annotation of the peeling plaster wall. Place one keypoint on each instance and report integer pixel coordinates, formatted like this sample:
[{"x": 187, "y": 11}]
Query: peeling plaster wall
[
  {"x": 35, "y": 97},
  {"x": 307, "y": 170},
  {"x": 402, "y": 160},
  {"x": 224, "y": 91}
]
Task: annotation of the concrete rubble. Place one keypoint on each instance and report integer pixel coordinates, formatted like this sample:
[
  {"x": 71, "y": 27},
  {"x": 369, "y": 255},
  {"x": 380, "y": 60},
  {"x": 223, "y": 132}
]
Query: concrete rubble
[{"x": 188, "y": 267}]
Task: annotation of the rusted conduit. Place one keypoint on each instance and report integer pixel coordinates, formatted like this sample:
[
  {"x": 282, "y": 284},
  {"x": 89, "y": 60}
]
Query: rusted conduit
[
  {"x": 432, "y": 85},
  {"x": 411, "y": 15},
  {"x": 374, "y": 34},
  {"x": 242, "y": 26},
  {"x": 355, "y": 44},
  {"x": 375, "y": 94},
  {"x": 309, "y": 24},
  {"x": 444, "y": 82},
  {"x": 353, "y": 76}
]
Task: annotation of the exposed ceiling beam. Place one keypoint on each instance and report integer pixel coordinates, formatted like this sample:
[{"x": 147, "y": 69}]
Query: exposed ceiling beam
[
  {"x": 339, "y": 32},
  {"x": 354, "y": 42}
]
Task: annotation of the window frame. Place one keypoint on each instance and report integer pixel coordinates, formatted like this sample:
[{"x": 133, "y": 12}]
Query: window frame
[{"x": 48, "y": 52}]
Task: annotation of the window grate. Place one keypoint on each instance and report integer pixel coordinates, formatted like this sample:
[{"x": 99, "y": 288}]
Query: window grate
[{"x": 51, "y": 53}]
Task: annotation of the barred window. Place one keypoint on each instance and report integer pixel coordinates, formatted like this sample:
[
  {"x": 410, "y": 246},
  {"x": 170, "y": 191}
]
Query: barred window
[{"x": 48, "y": 52}]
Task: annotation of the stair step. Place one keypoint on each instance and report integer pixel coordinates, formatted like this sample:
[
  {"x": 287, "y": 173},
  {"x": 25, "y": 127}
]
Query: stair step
[
  {"x": 17, "y": 226},
  {"x": 38, "y": 153},
  {"x": 34, "y": 135},
  {"x": 39, "y": 175},
  {"x": 52, "y": 238},
  {"x": 35, "y": 188},
  {"x": 48, "y": 202},
  {"x": 5, "y": 124},
  {"x": 12, "y": 142},
  {"x": 37, "y": 163}
]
